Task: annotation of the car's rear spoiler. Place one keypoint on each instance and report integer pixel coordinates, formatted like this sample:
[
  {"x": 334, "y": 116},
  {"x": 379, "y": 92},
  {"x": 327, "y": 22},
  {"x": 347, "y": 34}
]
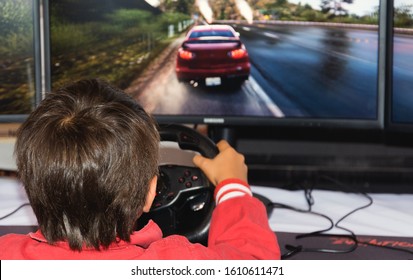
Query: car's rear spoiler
[{"x": 210, "y": 40}]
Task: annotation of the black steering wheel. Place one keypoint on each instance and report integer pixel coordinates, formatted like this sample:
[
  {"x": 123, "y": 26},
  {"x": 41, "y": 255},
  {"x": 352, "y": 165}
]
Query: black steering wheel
[{"x": 184, "y": 201}]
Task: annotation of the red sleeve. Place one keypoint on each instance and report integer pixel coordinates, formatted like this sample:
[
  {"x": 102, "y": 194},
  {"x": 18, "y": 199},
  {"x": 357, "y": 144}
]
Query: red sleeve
[
  {"x": 231, "y": 188},
  {"x": 239, "y": 226}
]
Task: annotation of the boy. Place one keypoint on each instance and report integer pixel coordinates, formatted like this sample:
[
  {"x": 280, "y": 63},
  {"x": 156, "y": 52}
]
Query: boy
[{"x": 88, "y": 159}]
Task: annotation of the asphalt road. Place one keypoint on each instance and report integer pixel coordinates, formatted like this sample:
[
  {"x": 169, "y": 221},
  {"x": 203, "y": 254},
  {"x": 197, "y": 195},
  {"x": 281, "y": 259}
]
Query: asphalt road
[
  {"x": 403, "y": 79},
  {"x": 297, "y": 71},
  {"x": 316, "y": 72},
  {"x": 164, "y": 95}
]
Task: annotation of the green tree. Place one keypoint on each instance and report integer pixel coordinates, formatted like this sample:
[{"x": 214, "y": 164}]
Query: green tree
[
  {"x": 280, "y": 9},
  {"x": 225, "y": 9},
  {"x": 334, "y": 7},
  {"x": 16, "y": 56},
  {"x": 16, "y": 28},
  {"x": 86, "y": 11},
  {"x": 403, "y": 16},
  {"x": 179, "y": 6}
]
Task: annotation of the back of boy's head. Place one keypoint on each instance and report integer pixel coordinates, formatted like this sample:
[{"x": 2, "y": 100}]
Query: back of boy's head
[{"x": 86, "y": 156}]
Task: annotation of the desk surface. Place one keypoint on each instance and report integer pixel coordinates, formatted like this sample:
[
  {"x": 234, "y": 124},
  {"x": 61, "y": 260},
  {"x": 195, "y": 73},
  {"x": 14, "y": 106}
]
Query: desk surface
[
  {"x": 389, "y": 220},
  {"x": 6, "y": 151}
]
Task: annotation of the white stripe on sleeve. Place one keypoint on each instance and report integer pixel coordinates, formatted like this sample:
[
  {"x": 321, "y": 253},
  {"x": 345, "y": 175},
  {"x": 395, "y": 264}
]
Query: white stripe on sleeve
[{"x": 231, "y": 190}]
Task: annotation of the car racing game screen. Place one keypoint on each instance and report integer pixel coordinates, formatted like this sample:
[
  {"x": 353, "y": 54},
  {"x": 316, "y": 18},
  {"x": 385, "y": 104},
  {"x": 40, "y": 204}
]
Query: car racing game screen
[
  {"x": 402, "y": 68},
  {"x": 313, "y": 60}
]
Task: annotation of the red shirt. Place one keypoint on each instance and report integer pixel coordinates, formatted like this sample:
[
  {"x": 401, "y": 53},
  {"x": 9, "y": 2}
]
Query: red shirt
[{"x": 239, "y": 230}]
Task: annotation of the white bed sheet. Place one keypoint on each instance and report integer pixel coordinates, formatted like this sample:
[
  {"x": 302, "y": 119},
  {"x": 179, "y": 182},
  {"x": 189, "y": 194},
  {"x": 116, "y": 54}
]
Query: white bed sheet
[{"x": 389, "y": 215}]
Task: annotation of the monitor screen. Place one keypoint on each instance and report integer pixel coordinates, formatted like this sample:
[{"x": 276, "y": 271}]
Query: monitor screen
[
  {"x": 276, "y": 62},
  {"x": 17, "y": 63},
  {"x": 401, "y": 112}
]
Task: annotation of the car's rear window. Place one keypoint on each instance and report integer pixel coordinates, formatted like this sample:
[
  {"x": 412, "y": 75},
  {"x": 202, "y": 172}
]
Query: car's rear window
[{"x": 211, "y": 33}]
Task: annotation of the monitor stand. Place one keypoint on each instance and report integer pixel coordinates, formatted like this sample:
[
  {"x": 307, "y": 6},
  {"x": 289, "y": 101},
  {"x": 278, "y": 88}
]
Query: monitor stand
[{"x": 217, "y": 133}]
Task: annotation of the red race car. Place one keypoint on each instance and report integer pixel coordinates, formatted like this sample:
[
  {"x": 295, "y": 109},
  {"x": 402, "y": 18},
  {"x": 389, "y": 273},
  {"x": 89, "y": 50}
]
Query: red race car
[{"x": 212, "y": 55}]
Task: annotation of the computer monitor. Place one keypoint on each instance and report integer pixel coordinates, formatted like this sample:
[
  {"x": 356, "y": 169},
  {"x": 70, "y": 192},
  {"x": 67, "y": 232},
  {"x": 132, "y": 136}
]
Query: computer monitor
[
  {"x": 400, "y": 105},
  {"x": 312, "y": 63},
  {"x": 19, "y": 63}
]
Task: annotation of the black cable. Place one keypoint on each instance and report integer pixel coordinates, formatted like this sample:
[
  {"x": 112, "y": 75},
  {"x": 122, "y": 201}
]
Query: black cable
[
  {"x": 292, "y": 250},
  {"x": 283, "y": 206},
  {"x": 14, "y": 211},
  {"x": 371, "y": 202},
  {"x": 367, "y": 243}
]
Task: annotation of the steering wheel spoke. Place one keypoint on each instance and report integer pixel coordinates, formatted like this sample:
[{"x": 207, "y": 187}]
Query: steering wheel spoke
[
  {"x": 184, "y": 199},
  {"x": 175, "y": 181}
]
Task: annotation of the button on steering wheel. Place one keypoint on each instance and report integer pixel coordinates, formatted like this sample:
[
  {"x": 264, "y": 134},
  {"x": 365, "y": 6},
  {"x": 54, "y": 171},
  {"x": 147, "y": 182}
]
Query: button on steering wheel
[{"x": 184, "y": 200}]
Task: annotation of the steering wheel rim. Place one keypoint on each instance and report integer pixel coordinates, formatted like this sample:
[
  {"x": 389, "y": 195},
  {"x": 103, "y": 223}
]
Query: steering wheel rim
[{"x": 187, "y": 139}]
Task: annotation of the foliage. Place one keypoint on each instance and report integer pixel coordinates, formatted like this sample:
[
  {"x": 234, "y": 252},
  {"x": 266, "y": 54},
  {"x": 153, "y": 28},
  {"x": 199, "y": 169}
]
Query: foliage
[
  {"x": 16, "y": 51},
  {"x": 334, "y": 7},
  {"x": 178, "y": 6},
  {"x": 116, "y": 46},
  {"x": 126, "y": 18},
  {"x": 225, "y": 9},
  {"x": 87, "y": 40},
  {"x": 403, "y": 16},
  {"x": 117, "y": 39},
  {"x": 16, "y": 29},
  {"x": 167, "y": 19},
  {"x": 330, "y": 11}
]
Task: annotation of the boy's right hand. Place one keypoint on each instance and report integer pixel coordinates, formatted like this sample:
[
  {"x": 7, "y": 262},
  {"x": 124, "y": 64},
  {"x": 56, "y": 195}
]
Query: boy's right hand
[{"x": 228, "y": 164}]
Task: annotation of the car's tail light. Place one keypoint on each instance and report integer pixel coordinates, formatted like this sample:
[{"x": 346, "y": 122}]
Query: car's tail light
[
  {"x": 186, "y": 55},
  {"x": 238, "y": 53}
]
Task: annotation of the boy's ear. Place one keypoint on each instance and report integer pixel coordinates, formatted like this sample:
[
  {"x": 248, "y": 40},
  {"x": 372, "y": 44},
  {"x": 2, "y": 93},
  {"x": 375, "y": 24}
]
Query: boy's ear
[{"x": 151, "y": 194}]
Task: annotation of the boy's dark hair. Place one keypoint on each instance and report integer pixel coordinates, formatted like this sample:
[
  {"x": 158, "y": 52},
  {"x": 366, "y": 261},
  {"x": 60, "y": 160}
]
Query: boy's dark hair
[{"x": 86, "y": 156}]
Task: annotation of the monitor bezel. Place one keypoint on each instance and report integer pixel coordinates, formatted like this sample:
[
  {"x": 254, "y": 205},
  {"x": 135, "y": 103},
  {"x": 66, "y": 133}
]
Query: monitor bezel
[
  {"x": 240, "y": 122},
  {"x": 392, "y": 127}
]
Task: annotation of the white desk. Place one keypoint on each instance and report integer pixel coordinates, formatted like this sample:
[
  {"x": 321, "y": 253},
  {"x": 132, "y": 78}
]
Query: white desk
[
  {"x": 6, "y": 154},
  {"x": 389, "y": 215}
]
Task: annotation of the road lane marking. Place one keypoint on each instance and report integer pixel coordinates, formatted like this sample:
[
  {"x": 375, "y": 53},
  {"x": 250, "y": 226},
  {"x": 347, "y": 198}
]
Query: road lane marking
[
  {"x": 271, "y": 35},
  {"x": 251, "y": 86},
  {"x": 297, "y": 42}
]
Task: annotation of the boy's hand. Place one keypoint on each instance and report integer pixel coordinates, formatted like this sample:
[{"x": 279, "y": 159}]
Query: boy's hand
[{"x": 228, "y": 164}]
